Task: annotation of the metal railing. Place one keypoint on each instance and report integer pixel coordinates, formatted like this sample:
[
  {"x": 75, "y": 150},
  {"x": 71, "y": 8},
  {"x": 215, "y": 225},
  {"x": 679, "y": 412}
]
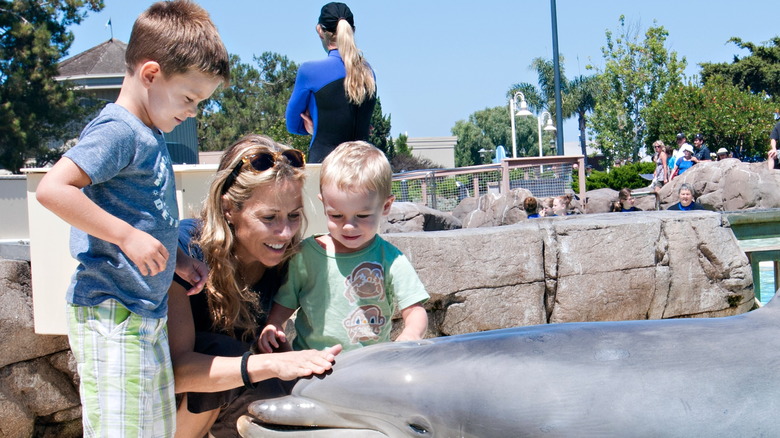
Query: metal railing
[{"x": 443, "y": 189}]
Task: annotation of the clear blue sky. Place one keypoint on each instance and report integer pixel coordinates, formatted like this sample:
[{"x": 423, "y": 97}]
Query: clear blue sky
[{"x": 439, "y": 61}]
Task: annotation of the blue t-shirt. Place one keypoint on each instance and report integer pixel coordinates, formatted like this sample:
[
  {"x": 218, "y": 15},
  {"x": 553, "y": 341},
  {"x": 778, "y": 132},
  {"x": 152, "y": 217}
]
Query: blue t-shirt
[
  {"x": 684, "y": 165},
  {"x": 132, "y": 179}
]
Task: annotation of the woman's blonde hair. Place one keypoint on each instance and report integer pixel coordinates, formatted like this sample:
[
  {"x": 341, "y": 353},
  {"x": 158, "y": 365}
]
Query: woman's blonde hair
[
  {"x": 232, "y": 304},
  {"x": 359, "y": 82}
]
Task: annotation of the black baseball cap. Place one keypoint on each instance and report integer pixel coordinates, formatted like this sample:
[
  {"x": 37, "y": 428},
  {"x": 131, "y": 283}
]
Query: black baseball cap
[
  {"x": 698, "y": 136},
  {"x": 332, "y": 12},
  {"x": 681, "y": 136}
]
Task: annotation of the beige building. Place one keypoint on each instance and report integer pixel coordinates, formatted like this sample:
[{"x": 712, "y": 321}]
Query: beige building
[{"x": 440, "y": 150}]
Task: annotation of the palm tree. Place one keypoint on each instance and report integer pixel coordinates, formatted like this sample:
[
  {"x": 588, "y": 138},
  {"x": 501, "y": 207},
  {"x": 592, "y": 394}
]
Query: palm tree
[
  {"x": 577, "y": 96},
  {"x": 540, "y": 98},
  {"x": 581, "y": 93}
]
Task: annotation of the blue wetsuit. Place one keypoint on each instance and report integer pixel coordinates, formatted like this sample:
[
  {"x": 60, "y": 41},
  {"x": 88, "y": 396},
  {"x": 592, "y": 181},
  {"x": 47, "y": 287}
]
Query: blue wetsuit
[{"x": 319, "y": 88}]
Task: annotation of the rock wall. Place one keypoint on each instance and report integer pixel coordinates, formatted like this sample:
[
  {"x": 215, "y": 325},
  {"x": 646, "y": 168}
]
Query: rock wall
[
  {"x": 645, "y": 265},
  {"x": 38, "y": 382},
  {"x": 575, "y": 268}
]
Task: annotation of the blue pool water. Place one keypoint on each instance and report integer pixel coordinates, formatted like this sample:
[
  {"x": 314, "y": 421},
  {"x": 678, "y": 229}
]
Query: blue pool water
[{"x": 767, "y": 282}]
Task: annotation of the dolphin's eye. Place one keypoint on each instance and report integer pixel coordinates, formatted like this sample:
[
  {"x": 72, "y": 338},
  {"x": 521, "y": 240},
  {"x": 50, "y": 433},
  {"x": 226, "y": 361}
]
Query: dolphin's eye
[{"x": 418, "y": 429}]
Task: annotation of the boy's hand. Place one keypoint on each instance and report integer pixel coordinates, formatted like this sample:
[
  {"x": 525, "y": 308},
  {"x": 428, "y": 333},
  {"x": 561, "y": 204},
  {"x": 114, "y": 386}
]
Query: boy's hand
[
  {"x": 145, "y": 251},
  {"x": 192, "y": 270},
  {"x": 270, "y": 339}
]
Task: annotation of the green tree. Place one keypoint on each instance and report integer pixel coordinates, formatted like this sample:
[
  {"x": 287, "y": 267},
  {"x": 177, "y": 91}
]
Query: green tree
[
  {"x": 542, "y": 97},
  {"x": 635, "y": 74},
  {"x": 577, "y": 96},
  {"x": 34, "y": 108},
  {"x": 758, "y": 72},
  {"x": 581, "y": 98},
  {"x": 379, "y": 131},
  {"x": 253, "y": 102},
  {"x": 488, "y": 128},
  {"x": 404, "y": 160},
  {"x": 402, "y": 146},
  {"x": 628, "y": 176},
  {"x": 728, "y": 117}
]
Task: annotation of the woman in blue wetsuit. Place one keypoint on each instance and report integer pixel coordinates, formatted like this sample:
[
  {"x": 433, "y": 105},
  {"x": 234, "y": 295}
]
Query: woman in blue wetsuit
[{"x": 333, "y": 98}]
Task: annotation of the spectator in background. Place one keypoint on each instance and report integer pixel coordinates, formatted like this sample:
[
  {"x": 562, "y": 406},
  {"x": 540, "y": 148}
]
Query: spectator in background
[
  {"x": 662, "y": 171},
  {"x": 562, "y": 205},
  {"x": 772, "y": 157},
  {"x": 670, "y": 158},
  {"x": 685, "y": 162},
  {"x": 682, "y": 140},
  {"x": 547, "y": 208},
  {"x": 333, "y": 98},
  {"x": 463, "y": 191},
  {"x": 530, "y": 205},
  {"x": 700, "y": 150},
  {"x": 625, "y": 202},
  {"x": 686, "y": 203},
  {"x": 723, "y": 153}
]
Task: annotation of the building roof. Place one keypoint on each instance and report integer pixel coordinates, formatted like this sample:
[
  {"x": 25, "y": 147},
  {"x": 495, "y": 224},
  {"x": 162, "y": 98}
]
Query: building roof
[{"x": 104, "y": 60}]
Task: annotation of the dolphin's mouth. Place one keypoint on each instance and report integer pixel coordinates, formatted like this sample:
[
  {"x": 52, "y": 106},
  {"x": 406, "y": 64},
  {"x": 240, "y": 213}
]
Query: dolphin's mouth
[{"x": 249, "y": 427}]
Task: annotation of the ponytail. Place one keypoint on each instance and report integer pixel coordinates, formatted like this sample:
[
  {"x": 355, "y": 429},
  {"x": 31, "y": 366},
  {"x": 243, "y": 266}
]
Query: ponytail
[{"x": 359, "y": 82}]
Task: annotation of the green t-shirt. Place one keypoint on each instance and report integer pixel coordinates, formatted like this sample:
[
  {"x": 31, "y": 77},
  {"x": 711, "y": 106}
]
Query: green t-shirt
[{"x": 348, "y": 299}]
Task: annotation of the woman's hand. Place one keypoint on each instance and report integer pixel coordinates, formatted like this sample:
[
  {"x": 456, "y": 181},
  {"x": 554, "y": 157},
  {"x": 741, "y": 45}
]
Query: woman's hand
[
  {"x": 192, "y": 270},
  {"x": 271, "y": 339},
  {"x": 308, "y": 123},
  {"x": 294, "y": 364}
]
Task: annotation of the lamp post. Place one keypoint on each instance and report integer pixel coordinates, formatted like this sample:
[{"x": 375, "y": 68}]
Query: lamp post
[
  {"x": 523, "y": 111},
  {"x": 547, "y": 127}
]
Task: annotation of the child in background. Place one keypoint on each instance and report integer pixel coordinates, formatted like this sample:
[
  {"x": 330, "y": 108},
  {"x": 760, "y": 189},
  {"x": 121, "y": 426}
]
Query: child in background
[
  {"x": 530, "y": 205},
  {"x": 347, "y": 284},
  {"x": 625, "y": 202},
  {"x": 561, "y": 205},
  {"x": 547, "y": 207},
  {"x": 116, "y": 188}
]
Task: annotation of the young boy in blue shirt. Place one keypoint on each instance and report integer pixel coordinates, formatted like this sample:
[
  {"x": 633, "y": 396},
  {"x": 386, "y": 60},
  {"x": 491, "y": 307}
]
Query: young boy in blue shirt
[
  {"x": 347, "y": 284},
  {"x": 116, "y": 188}
]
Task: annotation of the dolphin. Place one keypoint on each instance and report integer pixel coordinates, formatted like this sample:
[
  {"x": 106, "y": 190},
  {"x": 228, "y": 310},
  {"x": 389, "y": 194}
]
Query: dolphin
[{"x": 712, "y": 377}]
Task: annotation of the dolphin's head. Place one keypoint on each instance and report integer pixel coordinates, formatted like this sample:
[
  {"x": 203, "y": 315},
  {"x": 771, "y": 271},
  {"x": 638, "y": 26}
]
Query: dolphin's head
[{"x": 355, "y": 399}]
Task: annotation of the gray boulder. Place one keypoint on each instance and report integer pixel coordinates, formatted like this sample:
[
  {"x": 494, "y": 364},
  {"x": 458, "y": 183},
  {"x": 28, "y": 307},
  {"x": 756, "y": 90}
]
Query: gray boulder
[
  {"x": 494, "y": 210},
  {"x": 728, "y": 185},
  {"x": 406, "y": 217}
]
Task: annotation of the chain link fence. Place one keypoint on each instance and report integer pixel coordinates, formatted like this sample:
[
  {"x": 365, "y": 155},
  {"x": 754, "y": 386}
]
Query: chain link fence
[{"x": 443, "y": 189}]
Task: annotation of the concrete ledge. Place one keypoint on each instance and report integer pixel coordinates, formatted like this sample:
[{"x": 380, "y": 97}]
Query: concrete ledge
[{"x": 11, "y": 249}]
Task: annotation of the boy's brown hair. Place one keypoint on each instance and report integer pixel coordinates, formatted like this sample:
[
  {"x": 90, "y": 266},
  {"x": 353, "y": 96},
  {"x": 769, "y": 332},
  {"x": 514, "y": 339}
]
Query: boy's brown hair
[{"x": 180, "y": 36}]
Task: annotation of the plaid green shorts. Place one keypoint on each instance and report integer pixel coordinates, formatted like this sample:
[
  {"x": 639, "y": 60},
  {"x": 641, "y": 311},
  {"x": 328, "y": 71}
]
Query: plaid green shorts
[{"x": 125, "y": 368}]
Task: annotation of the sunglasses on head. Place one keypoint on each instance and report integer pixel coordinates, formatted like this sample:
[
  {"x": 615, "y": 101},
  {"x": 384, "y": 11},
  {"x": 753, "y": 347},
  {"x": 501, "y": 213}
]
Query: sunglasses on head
[{"x": 262, "y": 161}]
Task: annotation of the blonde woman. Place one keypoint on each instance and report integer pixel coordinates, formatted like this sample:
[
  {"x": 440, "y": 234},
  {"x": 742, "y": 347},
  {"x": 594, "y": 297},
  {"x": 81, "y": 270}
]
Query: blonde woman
[
  {"x": 662, "y": 171},
  {"x": 333, "y": 98},
  {"x": 249, "y": 228}
]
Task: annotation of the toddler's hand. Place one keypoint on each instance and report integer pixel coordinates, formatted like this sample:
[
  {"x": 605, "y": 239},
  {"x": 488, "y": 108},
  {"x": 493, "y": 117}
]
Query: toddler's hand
[
  {"x": 270, "y": 339},
  {"x": 407, "y": 337}
]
